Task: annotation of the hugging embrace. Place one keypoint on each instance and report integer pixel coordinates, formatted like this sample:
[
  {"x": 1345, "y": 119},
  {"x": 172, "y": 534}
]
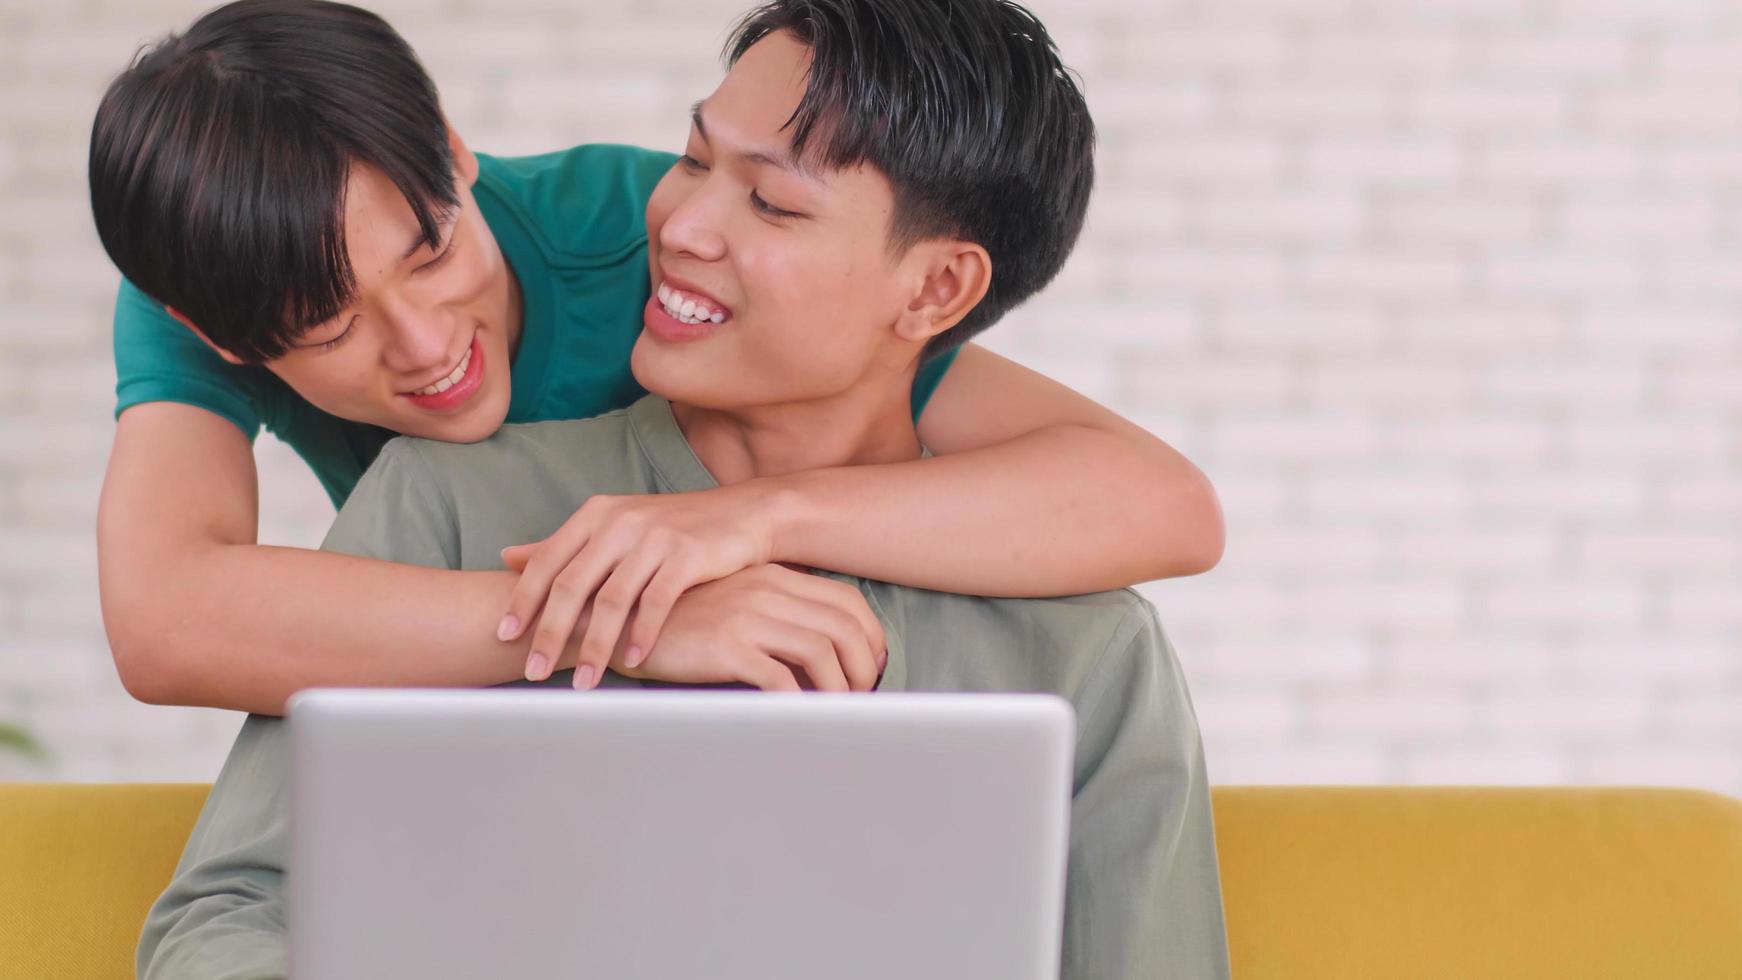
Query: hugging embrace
[{"x": 706, "y": 419}]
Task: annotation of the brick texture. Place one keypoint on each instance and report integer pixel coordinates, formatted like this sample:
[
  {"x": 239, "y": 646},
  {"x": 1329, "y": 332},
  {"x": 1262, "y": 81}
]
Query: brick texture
[{"x": 1443, "y": 294}]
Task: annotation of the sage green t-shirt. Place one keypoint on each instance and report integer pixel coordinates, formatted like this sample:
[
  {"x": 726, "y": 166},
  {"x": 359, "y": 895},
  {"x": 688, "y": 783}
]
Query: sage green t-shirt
[
  {"x": 1142, "y": 892},
  {"x": 572, "y": 226}
]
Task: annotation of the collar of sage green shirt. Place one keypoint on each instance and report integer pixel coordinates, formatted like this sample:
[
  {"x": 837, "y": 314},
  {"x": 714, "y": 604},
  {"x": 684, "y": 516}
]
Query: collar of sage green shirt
[{"x": 662, "y": 442}]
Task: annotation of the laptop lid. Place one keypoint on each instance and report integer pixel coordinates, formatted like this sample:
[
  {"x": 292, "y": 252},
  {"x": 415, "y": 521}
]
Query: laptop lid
[{"x": 723, "y": 835}]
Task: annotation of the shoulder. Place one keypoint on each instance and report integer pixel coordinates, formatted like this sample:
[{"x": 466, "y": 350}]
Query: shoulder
[
  {"x": 1051, "y": 644},
  {"x": 1092, "y": 625},
  {"x": 585, "y": 203},
  {"x": 1099, "y": 614},
  {"x": 158, "y": 359},
  {"x": 145, "y": 331},
  {"x": 454, "y": 505},
  {"x": 568, "y": 450},
  {"x": 515, "y": 442}
]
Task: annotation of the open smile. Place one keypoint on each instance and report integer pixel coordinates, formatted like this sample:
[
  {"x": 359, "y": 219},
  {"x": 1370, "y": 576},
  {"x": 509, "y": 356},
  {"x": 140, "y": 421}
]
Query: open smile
[{"x": 458, "y": 386}]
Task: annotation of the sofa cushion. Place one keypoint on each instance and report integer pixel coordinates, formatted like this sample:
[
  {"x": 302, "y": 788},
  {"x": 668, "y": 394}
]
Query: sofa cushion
[
  {"x": 1319, "y": 882},
  {"x": 1454, "y": 882}
]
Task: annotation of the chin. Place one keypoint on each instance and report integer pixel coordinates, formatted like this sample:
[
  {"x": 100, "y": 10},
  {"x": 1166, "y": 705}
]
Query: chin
[
  {"x": 646, "y": 367},
  {"x": 474, "y": 426},
  {"x": 483, "y": 423},
  {"x": 675, "y": 386},
  {"x": 470, "y": 433},
  {"x": 699, "y": 382}
]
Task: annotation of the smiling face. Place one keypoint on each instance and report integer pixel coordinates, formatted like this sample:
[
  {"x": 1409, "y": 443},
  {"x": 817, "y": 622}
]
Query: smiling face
[
  {"x": 781, "y": 277},
  {"x": 423, "y": 348}
]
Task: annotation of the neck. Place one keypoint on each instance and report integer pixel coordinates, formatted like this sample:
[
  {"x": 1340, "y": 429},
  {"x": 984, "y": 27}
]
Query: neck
[{"x": 864, "y": 425}]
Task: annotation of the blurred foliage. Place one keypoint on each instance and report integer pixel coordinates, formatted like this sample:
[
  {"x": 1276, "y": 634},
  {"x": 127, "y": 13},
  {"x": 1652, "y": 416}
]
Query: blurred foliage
[{"x": 15, "y": 739}]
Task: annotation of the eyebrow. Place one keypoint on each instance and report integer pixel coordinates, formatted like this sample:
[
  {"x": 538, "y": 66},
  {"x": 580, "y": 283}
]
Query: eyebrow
[{"x": 780, "y": 161}]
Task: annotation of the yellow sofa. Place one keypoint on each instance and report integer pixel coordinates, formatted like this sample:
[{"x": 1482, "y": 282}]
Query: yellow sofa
[{"x": 1319, "y": 882}]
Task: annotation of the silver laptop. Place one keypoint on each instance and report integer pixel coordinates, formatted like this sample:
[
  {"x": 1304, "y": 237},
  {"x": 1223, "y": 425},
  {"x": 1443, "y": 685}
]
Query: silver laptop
[{"x": 715, "y": 835}]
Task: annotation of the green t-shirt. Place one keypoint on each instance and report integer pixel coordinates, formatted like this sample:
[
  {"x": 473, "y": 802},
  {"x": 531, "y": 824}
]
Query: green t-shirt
[{"x": 571, "y": 224}]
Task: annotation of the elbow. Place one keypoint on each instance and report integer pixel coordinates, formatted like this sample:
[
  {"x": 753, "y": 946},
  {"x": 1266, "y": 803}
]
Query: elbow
[
  {"x": 1187, "y": 532},
  {"x": 1190, "y": 545},
  {"x": 141, "y": 670},
  {"x": 1209, "y": 542},
  {"x": 1194, "y": 534},
  {"x": 141, "y": 663},
  {"x": 1210, "y": 537},
  {"x": 1183, "y": 533}
]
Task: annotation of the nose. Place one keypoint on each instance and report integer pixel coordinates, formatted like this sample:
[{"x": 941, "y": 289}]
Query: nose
[
  {"x": 693, "y": 227},
  {"x": 419, "y": 336}
]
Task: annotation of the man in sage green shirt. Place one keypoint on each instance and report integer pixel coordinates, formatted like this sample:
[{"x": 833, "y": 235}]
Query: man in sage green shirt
[
  {"x": 754, "y": 232},
  {"x": 1142, "y": 894}
]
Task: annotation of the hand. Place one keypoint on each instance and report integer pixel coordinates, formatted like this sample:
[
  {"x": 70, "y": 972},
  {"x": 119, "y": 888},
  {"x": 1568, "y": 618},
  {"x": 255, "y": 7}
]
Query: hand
[
  {"x": 764, "y": 626},
  {"x": 623, "y": 553}
]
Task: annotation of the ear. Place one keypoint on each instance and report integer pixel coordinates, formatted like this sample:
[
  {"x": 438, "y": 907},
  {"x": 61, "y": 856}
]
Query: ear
[
  {"x": 956, "y": 275},
  {"x": 465, "y": 161},
  {"x": 955, "y": 279},
  {"x": 184, "y": 321}
]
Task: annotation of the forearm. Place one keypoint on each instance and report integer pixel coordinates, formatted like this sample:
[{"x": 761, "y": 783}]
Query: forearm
[
  {"x": 246, "y": 626},
  {"x": 1058, "y": 511}
]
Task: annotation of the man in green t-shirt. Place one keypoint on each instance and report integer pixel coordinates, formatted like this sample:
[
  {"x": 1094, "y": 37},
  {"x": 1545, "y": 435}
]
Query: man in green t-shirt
[
  {"x": 758, "y": 383},
  {"x": 308, "y": 247}
]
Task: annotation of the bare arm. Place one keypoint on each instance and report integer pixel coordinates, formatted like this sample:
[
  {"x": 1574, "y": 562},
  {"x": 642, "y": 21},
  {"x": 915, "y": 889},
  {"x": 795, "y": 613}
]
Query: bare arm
[
  {"x": 198, "y": 613},
  {"x": 1035, "y": 491}
]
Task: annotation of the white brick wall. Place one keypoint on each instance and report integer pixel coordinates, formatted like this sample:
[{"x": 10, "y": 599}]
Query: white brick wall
[{"x": 1444, "y": 295}]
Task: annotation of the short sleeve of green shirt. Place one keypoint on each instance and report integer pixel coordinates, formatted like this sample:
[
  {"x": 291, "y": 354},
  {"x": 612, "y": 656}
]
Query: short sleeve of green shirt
[
  {"x": 571, "y": 224},
  {"x": 931, "y": 374},
  {"x": 159, "y": 360}
]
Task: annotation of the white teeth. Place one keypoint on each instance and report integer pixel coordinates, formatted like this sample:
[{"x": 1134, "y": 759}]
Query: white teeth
[
  {"x": 687, "y": 309},
  {"x": 451, "y": 380}
]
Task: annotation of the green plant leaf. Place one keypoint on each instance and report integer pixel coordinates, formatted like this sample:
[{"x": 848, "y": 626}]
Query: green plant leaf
[{"x": 18, "y": 740}]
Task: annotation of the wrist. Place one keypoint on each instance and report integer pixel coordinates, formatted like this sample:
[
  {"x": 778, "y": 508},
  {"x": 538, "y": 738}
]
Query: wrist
[{"x": 778, "y": 509}]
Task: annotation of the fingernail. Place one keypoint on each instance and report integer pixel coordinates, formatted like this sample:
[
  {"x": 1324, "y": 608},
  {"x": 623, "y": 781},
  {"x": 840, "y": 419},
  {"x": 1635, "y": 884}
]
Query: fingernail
[
  {"x": 632, "y": 656},
  {"x": 584, "y": 677},
  {"x": 883, "y": 660},
  {"x": 537, "y": 667},
  {"x": 510, "y": 625}
]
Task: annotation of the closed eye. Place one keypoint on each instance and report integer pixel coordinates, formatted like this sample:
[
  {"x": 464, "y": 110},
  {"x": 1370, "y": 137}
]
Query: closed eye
[
  {"x": 759, "y": 204},
  {"x": 327, "y": 345},
  {"x": 440, "y": 260}
]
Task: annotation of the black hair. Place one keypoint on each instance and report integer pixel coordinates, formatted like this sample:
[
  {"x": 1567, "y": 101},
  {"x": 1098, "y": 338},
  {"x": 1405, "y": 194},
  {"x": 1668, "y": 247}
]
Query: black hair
[
  {"x": 966, "y": 108},
  {"x": 219, "y": 160}
]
